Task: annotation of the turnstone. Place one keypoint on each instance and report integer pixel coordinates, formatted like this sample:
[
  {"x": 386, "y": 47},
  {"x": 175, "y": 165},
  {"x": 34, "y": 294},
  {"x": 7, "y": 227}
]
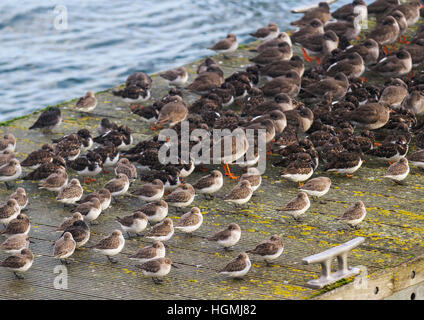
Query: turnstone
[
  {"x": 227, "y": 237},
  {"x": 391, "y": 151},
  {"x": 68, "y": 148},
  {"x": 150, "y": 191},
  {"x": 20, "y": 196},
  {"x": 134, "y": 223},
  {"x": 297, "y": 206},
  {"x": 398, "y": 171},
  {"x": 394, "y": 94},
  {"x": 7, "y": 143},
  {"x": 417, "y": 158},
  {"x": 253, "y": 176},
  {"x": 354, "y": 215},
  {"x": 209, "y": 184},
  {"x": 67, "y": 222},
  {"x": 48, "y": 119},
  {"x": 64, "y": 247},
  {"x": 240, "y": 194},
  {"x": 14, "y": 244},
  {"x": 90, "y": 210},
  {"x": 317, "y": 187},
  {"x": 181, "y": 197},
  {"x": 106, "y": 125},
  {"x": 173, "y": 112},
  {"x": 137, "y": 88},
  {"x": 298, "y": 171},
  {"x": 266, "y": 33},
  {"x": 155, "y": 211},
  {"x": 56, "y": 181},
  {"x": 38, "y": 157},
  {"x": 237, "y": 267},
  {"x": 126, "y": 167},
  {"x": 70, "y": 193},
  {"x": 19, "y": 262},
  {"x": 118, "y": 185},
  {"x": 46, "y": 169},
  {"x": 9, "y": 211},
  {"x": 111, "y": 245},
  {"x": 369, "y": 116},
  {"x": 10, "y": 172},
  {"x": 19, "y": 225},
  {"x": 320, "y": 12},
  {"x": 228, "y": 44},
  {"x": 358, "y": 7},
  {"x": 395, "y": 65},
  {"x": 190, "y": 221},
  {"x": 414, "y": 102},
  {"x": 156, "y": 268},
  {"x": 151, "y": 252},
  {"x": 109, "y": 153},
  {"x": 80, "y": 232},
  {"x": 120, "y": 138},
  {"x": 344, "y": 162},
  {"x": 87, "y": 165},
  {"x": 177, "y": 76},
  {"x": 270, "y": 249},
  {"x": 161, "y": 231},
  {"x": 86, "y": 103}
]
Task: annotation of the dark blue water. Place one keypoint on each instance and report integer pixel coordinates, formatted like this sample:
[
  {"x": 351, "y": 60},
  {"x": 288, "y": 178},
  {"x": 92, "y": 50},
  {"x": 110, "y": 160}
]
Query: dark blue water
[{"x": 105, "y": 41}]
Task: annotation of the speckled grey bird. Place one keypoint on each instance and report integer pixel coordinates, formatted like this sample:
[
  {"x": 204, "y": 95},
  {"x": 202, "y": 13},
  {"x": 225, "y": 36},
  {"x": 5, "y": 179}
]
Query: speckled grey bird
[
  {"x": 317, "y": 187},
  {"x": 56, "y": 181},
  {"x": 150, "y": 252},
  {"x": 254, "y": 177},
  {"x": 395, "y": 65},
  {"x": 369, "y": 116},
  {"x": 7, "y": 143},
  {"x": 177, "y": 76},
  {"x": 417, "y": 158},
  {"x": 238, "y": 267},
  {"x": 71, "y": 193},
  {"x": 90, "y": 210},
  {"x": 398, "y": 171},
  {"x": 10, "y": 172},
  {"x": 125, "y": 166},
  {"x": 155, "y": 211},
  {"x": 150, "y": 191},
  {"x": 5, "y": 157},
  {"x": 270, "y": 249},
  {"x": 64, "y": 247},
  {"x": 9, "y": 211},
  {"x": 103, "y": 195},
  {"x": 281, "y": 37},
  {"x": 385, "y": 32},
  {"x": 347, "y": 29},
  {"x": 240, "y": 194},
  {"x": 80, "y": 232},
  {"x": 227, "y": 237},
  {"x": 394, "y": 94},
  {"x": 210, "y": 183},
  {"x": 118, "y": 185},
  {"x": 162, "y": 231},
  {"x": 320, "y": 12},
  {"x": 336, "y": 86},
  {"x": 67, "y": 222},
  {"x": 20, "y": 196},
  {"x": 228, "y": 44},
  {"x": 156, "y": 269},
  {"x": 182, "y": 196},
  {"x": 414, "y": 102},
  {"x": 110, "y": 245},
  {"x": 190, "y": 221},
  {"x": 14, "y": 244},
  {"x": 266, "y": 33},
  {"x": 297, "y": 206},
  {"x": 352, "y": 66},
  {"x": 87, "y": 103},
  {"x": 173, "y": 112},
  {"x": 133, "y": 223},
  {"x": 368, "y": 49},
  {"x": 354, "y": 215},
  {"x": 19, "y": 225},
  {"x": 20, "y": 262}
]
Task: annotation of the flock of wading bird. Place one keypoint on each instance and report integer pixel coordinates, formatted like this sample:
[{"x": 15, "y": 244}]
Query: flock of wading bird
[{"x": 327, "y": 112}]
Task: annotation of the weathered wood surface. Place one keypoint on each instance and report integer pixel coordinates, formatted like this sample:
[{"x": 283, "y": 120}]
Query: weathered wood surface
[{"x": 394, "y": 226}]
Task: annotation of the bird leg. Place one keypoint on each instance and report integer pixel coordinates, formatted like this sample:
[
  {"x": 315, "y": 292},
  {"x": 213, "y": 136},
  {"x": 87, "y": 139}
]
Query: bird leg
[
  {"x": 306, "y": 56},
  {"x": 404, "y": 40},
  {"x": 349, "y": 175},
  {"x": 84, "y": 180},
  {"x": 8, "y": 186},
  {"x": 92, "y": 179},
  {"x": 18, "y": 276},
  {"x": 111, "y": 260},
  {"x": 300, "y": 184},
  {"x": 318, "y": 60},
  {"x": 386, "y": 52},
  {"x": 230, "y": 175},
  {"x": 225, "y": 169},
  {"x": 105, "y": 171}
]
